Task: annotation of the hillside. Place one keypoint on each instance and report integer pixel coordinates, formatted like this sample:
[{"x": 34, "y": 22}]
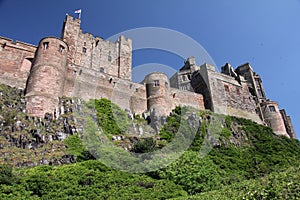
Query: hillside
[{"x": 247, "y": 160}]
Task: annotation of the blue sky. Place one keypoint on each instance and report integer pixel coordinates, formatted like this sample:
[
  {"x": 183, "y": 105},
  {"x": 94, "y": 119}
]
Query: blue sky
[{"x": 265, "y": 33}]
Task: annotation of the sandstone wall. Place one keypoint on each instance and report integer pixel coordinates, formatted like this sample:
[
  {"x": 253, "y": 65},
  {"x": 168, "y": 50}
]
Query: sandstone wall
[
  {"x": 288, "y": 124},
  {"x": 16, "y": 59},
  {"x": 112, "y": 58},
  {"x": 186, "y": 98},
  {"x": 229, "y": 96},
  {"x": 90, "y": 84},
  {"x": 273, "y": 117},
  {"x": 158, "y": 93},
  {"x": 47, "y": 76}
]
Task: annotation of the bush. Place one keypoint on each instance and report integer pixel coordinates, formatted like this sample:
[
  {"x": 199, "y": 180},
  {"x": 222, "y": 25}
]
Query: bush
[
  {"x": 112, "y": 119},
  {"x": 144, "y": 146}
]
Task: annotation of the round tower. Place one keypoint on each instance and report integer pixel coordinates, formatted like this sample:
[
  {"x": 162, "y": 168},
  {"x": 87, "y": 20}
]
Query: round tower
[
  {"x": 46, "y": 80},
  {"x": 273, "y": 117},
  {"x": 158, "y": 93}
]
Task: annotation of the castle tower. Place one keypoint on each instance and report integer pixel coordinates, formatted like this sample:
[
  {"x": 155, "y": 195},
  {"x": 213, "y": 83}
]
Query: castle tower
[
  {"x": 125, "y": 58},
  {"x": 87, "y": 51},
  {"x": 273, "y": 117},
  {"x": 70, "y": 34},
  {"x": 46, "y": 80},
  {"x": 158, "y": 93},
  {"x": 288, "y": 124}
]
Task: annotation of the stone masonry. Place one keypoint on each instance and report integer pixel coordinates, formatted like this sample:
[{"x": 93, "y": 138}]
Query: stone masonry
[{"x": 82, "y": 65}]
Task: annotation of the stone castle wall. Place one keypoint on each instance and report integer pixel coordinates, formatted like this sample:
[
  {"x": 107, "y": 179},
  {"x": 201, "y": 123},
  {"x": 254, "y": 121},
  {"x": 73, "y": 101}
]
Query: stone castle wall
[
  {"x": 273, "y": 117},
  {"x": 82, "y": 65},
  {"x": 288, "y": 124},
  {"x": 47, "y": 77},
  {"x": 90, "y": 84},
  {"x": 112, "y": 58},
  {"x": 16, "y": 59}
]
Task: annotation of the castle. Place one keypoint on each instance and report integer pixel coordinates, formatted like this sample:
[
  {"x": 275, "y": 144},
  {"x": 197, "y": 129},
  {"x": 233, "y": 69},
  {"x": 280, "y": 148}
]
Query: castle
[{"x": 82, "y": 65}]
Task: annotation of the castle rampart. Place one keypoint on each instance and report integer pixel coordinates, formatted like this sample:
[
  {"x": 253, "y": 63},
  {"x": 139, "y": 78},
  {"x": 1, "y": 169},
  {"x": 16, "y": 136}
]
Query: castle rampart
[
  {"x": 82, "y": 65},
  {"x": 16, "y": 59},
  {"x": 89, "y": 84}
]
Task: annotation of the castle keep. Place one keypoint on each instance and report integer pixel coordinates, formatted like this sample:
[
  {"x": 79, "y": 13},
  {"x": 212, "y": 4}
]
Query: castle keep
[{"x": 81, "y": 65}]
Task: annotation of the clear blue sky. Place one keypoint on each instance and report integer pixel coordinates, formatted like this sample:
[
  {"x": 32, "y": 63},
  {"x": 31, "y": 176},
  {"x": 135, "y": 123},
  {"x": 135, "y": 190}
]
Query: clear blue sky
[{"x": 265, "y": 33}]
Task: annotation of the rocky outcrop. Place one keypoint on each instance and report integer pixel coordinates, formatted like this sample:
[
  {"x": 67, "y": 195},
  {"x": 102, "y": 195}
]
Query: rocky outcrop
[{"x": 30, "y": 141}]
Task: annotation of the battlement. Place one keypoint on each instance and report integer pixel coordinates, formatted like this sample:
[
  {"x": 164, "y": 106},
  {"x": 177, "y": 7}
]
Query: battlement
[
  {"x": 80, "y": 64},
  {"x": 7, "y": 42},
  {"x": 113, "y": 58}
]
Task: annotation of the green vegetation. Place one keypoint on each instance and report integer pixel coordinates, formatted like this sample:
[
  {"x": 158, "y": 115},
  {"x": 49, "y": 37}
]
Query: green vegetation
[
  {"x": 277, "y": 185},
  {"x": 112, "y": 119},
  {"x": 86, "y": 180}
]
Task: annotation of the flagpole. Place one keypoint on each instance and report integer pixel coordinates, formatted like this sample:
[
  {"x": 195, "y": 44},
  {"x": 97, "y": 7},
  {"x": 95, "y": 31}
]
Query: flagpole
[{"x": 80, "y": 14}]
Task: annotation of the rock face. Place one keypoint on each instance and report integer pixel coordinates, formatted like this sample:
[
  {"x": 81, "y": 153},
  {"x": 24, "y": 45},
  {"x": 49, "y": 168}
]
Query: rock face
[{"x": 30, "y": 141}]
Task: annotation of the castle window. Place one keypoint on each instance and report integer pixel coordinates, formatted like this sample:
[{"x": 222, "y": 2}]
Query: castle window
[
  {"x": 97, "y": 42},
  {"x": 156, "y": 83},
  {"x": 272, "y": 109},
  {"x": 80, "y": 71},
  {"x": 61, "y": 48},
  {"x": 45, "y": 45},
  {"x": 83, "y": 50},
  {"x": 84, "y": 44},
  {"x": 109, "y": 58},
  {"x": 101, "y": 70},
  {"x": 226, "y": 88},
  {"x": 238, "y": 91},
  {"x": 136, "y": 89}
]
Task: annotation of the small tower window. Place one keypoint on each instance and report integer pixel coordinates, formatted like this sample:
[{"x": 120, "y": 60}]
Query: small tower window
[
  {"x": 83, "y": 50},
  {"x": 101, "y": 70},
  {"x": 61, "y": 48},
  {"x": 84, "y": 44},
  {"x": 156, "y": 83},
  {"x": 45, "y": 45},
  {"x": 272, "y": 109},
  {"x": 238, "y": 91},
  {"x": 109, "y": 58},
  {"x": 226, "y": 88}
]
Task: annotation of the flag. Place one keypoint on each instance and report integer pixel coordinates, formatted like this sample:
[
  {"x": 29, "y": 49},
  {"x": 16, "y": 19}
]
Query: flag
[{"x": 78, "y": 11}]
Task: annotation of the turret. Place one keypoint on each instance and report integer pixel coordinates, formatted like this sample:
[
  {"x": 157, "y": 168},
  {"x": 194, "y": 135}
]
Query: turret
[
  {"x": 46, "y": 80},
  {"x": 158, "y": 97},
  {"x": 273, "y": 117}
]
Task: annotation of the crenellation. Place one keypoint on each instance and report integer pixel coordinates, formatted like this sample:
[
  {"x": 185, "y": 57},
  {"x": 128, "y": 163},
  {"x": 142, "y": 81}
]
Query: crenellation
[{"x": 82, "y": 65}]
